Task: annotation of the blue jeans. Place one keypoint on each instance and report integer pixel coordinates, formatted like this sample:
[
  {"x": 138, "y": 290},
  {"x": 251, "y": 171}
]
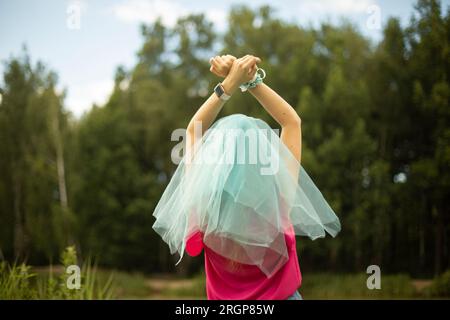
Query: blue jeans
[{"x": 295, "y": 296}]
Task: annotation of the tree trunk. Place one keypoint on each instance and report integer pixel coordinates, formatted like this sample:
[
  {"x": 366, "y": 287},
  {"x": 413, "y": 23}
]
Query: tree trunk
[
  {"x": 19, "y": 229},
  {"x": 438, "y": 241},
  {"x": 62, "y": 179}
]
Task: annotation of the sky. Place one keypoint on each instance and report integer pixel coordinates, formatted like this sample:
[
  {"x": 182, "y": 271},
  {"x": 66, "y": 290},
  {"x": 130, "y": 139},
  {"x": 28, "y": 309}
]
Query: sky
[{"x": 84, "y": 41}]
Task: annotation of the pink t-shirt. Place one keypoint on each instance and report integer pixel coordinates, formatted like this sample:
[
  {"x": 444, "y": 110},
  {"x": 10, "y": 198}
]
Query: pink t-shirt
[{"x": 247, "y": 282}]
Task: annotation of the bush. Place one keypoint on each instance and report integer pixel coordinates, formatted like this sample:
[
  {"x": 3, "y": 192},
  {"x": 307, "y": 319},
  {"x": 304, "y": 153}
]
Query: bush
[{"x": 440, "y": 286}]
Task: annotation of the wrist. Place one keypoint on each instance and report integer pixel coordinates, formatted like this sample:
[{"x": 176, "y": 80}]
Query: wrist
[
  {"x": 255, "y": 82},
  {"x": 256, "y": 89},
  {"x": 229, "y": 85}
]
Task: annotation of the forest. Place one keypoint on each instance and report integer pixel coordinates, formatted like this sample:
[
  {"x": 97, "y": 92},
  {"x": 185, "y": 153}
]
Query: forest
[{"x": 376, "y": 141}]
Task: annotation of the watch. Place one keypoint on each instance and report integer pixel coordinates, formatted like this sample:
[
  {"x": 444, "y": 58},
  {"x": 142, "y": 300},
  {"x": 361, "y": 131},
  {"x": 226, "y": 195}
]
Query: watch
[{"x": 220, "y": 92}]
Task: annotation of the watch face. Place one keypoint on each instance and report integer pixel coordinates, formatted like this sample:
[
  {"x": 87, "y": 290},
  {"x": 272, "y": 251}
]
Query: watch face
[{"x": 218, "y": 90}]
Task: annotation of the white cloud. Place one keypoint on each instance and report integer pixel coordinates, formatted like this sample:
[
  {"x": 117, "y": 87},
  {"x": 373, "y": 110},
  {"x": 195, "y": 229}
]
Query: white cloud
[
  {"x": 335, "y": 7},
  {"x": 80, "y": 97},
  {"x": 75, "y": 9},
  {"x": 148, "y": 11},
  {"x": 315, "y": 12},
  {"x": 218, "y": 17}
]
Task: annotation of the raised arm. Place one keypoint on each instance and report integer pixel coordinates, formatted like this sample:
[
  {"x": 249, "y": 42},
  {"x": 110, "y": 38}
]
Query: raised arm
[
  {"x": 284, "y": 114},
  {"x": 208, "y": 111},
  {"x": 275, "y": 105},
  {"x": 236, "y": 72},
  {"x": 205, "y": 116}
]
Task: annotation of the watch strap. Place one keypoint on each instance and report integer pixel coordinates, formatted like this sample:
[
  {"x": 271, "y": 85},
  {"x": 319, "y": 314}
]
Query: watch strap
[{"x": 220, "y": 92}]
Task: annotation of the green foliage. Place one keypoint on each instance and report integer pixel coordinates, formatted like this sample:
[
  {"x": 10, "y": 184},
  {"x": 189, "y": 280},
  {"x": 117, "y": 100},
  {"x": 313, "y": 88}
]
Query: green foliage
[
  {"x": 128, "y": 285},
  {"x": 318, "y": 286},
  {"x": 440, "y": 286},
  {"x": 375, "y": 127},
  {"x": 17, "y": 282},
  {"x": 90, "y": 287},
  {"x": 353, "y": 286}
]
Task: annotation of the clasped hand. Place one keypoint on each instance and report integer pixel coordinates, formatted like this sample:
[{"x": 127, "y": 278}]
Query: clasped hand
[{"x": 235, "y": 71}]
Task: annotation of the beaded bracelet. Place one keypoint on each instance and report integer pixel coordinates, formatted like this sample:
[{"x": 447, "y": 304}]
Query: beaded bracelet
[{"x": 257, "y": 79}]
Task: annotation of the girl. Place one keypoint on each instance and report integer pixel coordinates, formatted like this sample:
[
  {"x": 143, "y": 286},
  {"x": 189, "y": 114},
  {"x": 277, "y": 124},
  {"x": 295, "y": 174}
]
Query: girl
[{"x": 241, "y": 195}]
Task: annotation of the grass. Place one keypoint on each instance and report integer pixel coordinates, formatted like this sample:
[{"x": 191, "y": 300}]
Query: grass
[
  {"x": 127, "y": 285},
  {"x": 190, "y": 288},
  {"x": 20, "y": 282},
  {"x": 325, "y": 286},
  {"x": 330, "y": 286},
  {"x": 440, "y": 287},
  {"x": 353, "y": 286},
  {"x": 24, "y": 282}
]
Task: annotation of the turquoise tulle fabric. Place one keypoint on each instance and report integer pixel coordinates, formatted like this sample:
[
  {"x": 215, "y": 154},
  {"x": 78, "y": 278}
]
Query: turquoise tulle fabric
[{"x": 243, "y": 190}]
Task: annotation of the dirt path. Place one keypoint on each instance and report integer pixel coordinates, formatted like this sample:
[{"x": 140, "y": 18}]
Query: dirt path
[
  {"x": 421, "y": 284},
  {"x": 160, "y": 286}
]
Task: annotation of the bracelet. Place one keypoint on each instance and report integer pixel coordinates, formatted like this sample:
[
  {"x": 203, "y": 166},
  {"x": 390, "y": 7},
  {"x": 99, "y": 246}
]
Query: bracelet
[{"x": 257, "y": 79}]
